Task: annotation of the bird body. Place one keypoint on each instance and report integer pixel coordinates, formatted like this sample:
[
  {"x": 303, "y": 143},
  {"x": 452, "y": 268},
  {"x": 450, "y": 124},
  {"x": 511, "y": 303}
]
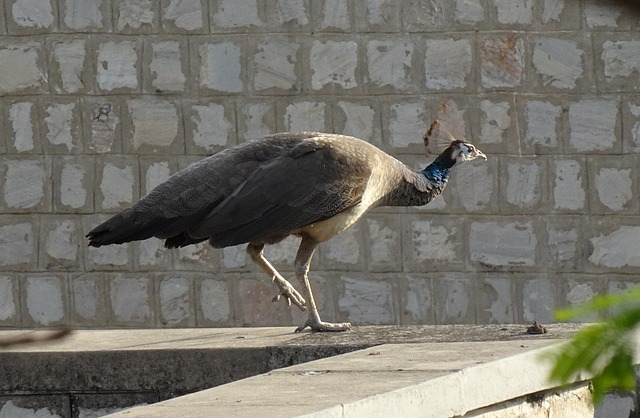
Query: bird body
[{"x": 312, "y": 185}]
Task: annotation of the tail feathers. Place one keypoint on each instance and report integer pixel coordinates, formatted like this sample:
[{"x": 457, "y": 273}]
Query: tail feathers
[{"x": 122, "y": 228}]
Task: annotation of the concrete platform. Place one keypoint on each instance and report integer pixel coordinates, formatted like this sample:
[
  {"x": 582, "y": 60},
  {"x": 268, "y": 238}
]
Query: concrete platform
[{"x": 386, "y": 371}]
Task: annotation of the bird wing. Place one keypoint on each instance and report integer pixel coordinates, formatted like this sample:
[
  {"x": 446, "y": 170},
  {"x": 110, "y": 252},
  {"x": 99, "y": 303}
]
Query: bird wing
[{"x": 314, "y": 181}]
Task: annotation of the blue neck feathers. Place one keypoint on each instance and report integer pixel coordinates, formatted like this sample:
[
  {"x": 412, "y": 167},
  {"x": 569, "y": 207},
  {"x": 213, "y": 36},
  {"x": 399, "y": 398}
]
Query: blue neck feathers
[{"x": 438, "y": 171}]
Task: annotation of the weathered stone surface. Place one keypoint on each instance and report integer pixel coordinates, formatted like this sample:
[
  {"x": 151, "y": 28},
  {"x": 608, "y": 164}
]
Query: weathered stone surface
[
  {"x": 73, "y": 180},
  {"x": 184, "y": 15},
  {"x": 565, "y": 243},
  {"x": 102, "y": 125},
  {"x": 45, "y": 299},
  {"x": 154, "y": 126},
  {"x": 417, "y": 300},
  {"x": 117, "y": 178},
  {"x": 220, "y": 67},
  {"x": 130, "y": 300},
  {"x": 18, "y": 243},
  {"x": 255, "y": 120},
  {"x": 61, "y": 130},
  {"x": 612, "y": 182},
  {"x": 504, "y": 244},
  {"x": 620, "y": 63},
  {"x": 405, "y": 121},
  {"x": 359, "y": 119},
  {"x": 594, "y": 125},
  {"x": 256, "y": 308},
  {"x": 232, "y": 14},
  {"x": 275, "y": 67},
  {"x": 88, "y": 301},
  {"x": 34, "y": 14},
  {"x": 175, "y": 302},
  {"x": 538, "y": 300},
  {"x": 434, "y": 244},
  {"x": 422, "y": 16},
  {"x": 361, "y": 298},
  {"x": 22, "y": 68},
  {"x": 60, "y": 244},
  {"x": 24, "y": 184},
  {"x": 86, "y": 15},
  {"x": 502, "y": 61},
  {"x": 167, "y": 65},
  {"x": 448, "y": 64},
  {"x": 384, "y": 235},
  {"x": 136, "y": 16},
  {"x": 377, "y": 16},
  {"x": 606, "y": 15},
  {"x": 516, "y": 12},
  {"x": 558, "y": 62},
  {"x": 390, "y": 64},
  {"x": 476, "y": 186},
  {"x": 569, "y": 185},
  {"x": 118, "y": 65},
  {"x": 495, "y": 300},
  {"x": 616, "y": 248},
  {"x": 22, "y": 134},
  {"x": 305, "y": 116},
  {"x": 524, "y": 186},
  {"x": 334, "y": 65},
  {"x": 541, "y": 122},
  {"x": 8, "y": 300},
  {"x": 453, "y": 299},
  {"x": 469, "y": 12}
]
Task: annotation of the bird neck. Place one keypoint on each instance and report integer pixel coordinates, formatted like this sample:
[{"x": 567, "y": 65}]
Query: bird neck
[{"x": 437, "y": 173}]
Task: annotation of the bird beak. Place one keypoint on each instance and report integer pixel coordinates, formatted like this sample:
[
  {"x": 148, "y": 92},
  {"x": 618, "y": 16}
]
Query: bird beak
[{"x": 480, "y": 154}]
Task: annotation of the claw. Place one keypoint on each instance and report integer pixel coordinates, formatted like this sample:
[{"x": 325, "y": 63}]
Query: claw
[
  {"x": 291, "y": 296},
  {"x": 321, "y": 326}
]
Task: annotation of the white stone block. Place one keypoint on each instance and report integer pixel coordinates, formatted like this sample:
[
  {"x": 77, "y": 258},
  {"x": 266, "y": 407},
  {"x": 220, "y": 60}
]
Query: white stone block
[
  {"x": 24, "y": 183},
  {"x": 617, "y": 249},
  {"x": 22, "y": 126},
  {"x": 292, "y": 11},
  {"x": 615, "y": 187},
  {"x": 433, "y": 241},
  {"x": 407, "y": 121},
  {"x": 135, "y": 13},
  {"x": 389, "y": 63},
  {"x": 87, "y": 298},
  {"x": 621, "y": 59},
  {"x": 234, "y": 257},
  {"x": 359, "y": 120},
  {"x": 334, "y": 63},
  {"x": 211, "y": 127},
  {"x": 166, "y": 66},
  {"x": 447, "y": 63},
  {"x": 384, "y": 244},
  {"x": 116, "y": 65},
  {"x": 221, "y": 67},
  {"x": 45, "y": 299},
  {"x": 514, "y": 12},
  {"x": 593, "y": 124},
  {"x": 498, "y": 306},
  {"x": 559, "y": 62},
  {"x": 305, "y": 116},
  {"x": 562, "y": 244},
  {"x": 524, "y": 183},
  {"x": 72, "y": 191},
  {"x": 469, "y": 12},
  {"x": 335, "y": 14},
  {"x": 157, "y": 173},
  {"x": 61, "y": 241},
  {"x": 236, "y": 13},
  {"x": 17, "y": 244},
  {"x": 599, "y": 14},
  {"x": 82, "y": 14},
  {"x": 130, "y": 299},
  {"x": 541, "y": 118},
  {"x": 568, "y": 190},
  {"x": 344, "y": 249},
  {"x": 495, "y": 121},
  {"x": 276, "y": 65},
  {"x": 538, "y": 301},
  {"x": 419, "y": 300},
  {"x": 367, "y": 301},
  {"x": 257, "y": 117},
  {"x": 454, "y": 301},
  {"x": 175, "y": 305},
  {"x": 552, "y": 10},
  {"x": 116, "y": 186},
  {"x": 70, "y": 57},
  {"x": 33, "y": 13},
  {"x": 475, "y": 186},
  {"x": 20, "y": 68},
  {"x": 503, "y": 244},
  {"x": 59, "y": 120},
  {"x": 502, "y": 61},
  {"x": 155, "y": 123},
  {"x": 214, "y": 301}
]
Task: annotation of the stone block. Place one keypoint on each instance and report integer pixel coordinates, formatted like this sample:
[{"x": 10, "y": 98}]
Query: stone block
[
  {"x": 107, "y": 258},
  {"x": 9, "y": 300},
  {"x": 213, "y": 302},
  {"x": 102, "y": 125},
  {"x": 434, "y": 244},
  {"x": 209, "y": 126},
  {"x": 45, "y": 406},
  {"x": 613, "y": 245},
  {"x": 617, "y": 59},
  {"x": 151, "y": 255},
  {"x": 606, "y": 15},
  {"x": 235, "y": 15},
  {"x": 130, "y": 298},
  {"x": 176, "y": 307},
  {"x": 73, "y": 184},
  {"x": 275, "y": 66},
  {"x": 288, "y": 15},
  {"x": 255, "y": 308},
  {"x": 424, "y": 16},
  {"x": 416, "y": 300},
  {"x": 85, "y": 15},
  {"x": 569, "y": 184},
  {"x": 283, "y": 254},
  {"x": 391, "y": 66},
  {"x": 18, "y": 243},
  {"x": 577, "y": 290},
  {"x": 22, "y": 67},
  {"x": 69, "y": 66},
  {"x": 631, "y": 125},
  {"x": 565, "y": 249},
  {"x": 495, "y": 115},
  {"x": 256, "y": 118},
  {"x": 61, "y": 131},
  {"x": 360, "y": 119},
  {"x": 453, "y": 296},
  {"x": 197, "y": 257},
  {"x": 542, "y": 123},
  {"x": 345, "y": 251},
  {"x": 165, "y": 63},
  {"x": 475, "y": 186},
  {"x": 384, "y": 238},
  {"x": 185, "y": 16},
  {"x": 448, "y": 64},
  {"x": 117, "y": 181},
  {"x": 324, "y": 293},
  {"x": 136, "y": 16},
  {"x": 153, "y": 126},
  {"x": 538, "y": 300},
  {"x": 236, "y": 258},
  {"x": 524, "y": 190},
  {"x": 561, "y": 63},
  {"x": 60, "y": 243},
  {"x": 366, "y": 301},
  {"x": 502, "y": 60},
  {"x": 22, "y": 121},
  {"x": 595, "y": 126},
  {"x": 505, "y": 244},
  {"x": 332, "y": 15},
  {"x": 26, "y": 184},
  {"x": 45, "y": 300},
  {"x": 219, "y": 64},
  {"x": 27, "y": 17},
  {"x": 155, "y": 170},
  {"x": 377, "y": 16},
  {"x": 470, "y": 13},
  {"x": 335, "y": 66},
  {"x": 556, "y": 15},
  {"x": 404, "y": 123},
  {"x": 98, "y": 405},
  {"x": 495, "y": 300},
  {"x": 515, "y": 14},
  {"x": 88, "y": 299},
  {"x": 613, "y": 183},
  {"x": 118, "y": 64},
  {"x": 311, "y": 116}
]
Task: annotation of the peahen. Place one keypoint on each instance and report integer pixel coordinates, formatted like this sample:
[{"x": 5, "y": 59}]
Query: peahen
[{"x": 312, "y": 185}]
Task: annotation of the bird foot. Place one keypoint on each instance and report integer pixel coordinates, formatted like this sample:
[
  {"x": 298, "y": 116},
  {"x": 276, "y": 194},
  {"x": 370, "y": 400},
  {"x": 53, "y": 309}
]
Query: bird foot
[
  {"x": 320, "y": 326},
  {"x": 289, "y": 294}
]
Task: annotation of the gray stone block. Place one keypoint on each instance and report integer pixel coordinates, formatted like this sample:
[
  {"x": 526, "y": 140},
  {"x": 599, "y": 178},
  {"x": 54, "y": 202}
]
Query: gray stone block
[
  {"x": 276, "y": 66},
  {"x": 474, "y": 187},
  {"x": 416, "y": 300},
  {"x": 542, "y": 122},
  {"x": 377, "y": 16},
  {"x": 514, "y": 14},
  {"x": 165, "y": 65},
  {"x": 510, "y": 243},
  {"x": 366, "y": 300},
  {"x": 302, "y": 115},
  {"x": 85, "y": 15},
  {"x": 613, "y": 245},
  {"x": 21, "y": 119},
  {"x": 130, "y": 298},
  {"x": 494, "y": 124},
  {"x": 606, "y": 15},
  {"x": 219, "y": 64},
  {"x": 631, "y": 125},
  {"x": 335, "y": 66},
  {"x": 392, "y": 66},
  {"x": 45, "y": 300},
  {"x": 577, "y": 290},
  {"x": 404, "y": 123},
  {"x": 18, "y": 243},
  {"x": 434, "y": 244},
  {"x": 565, "y": 249},
  {"x": 346, "y": 251},
  {"x": 153, "y": 126},
  {"x": 213, "y": 301},
  {"x": 523, "y": 186},
  {"x": 360, "y": 119},
  {"x": 155, "y": 170},
  {"x": 256, "y": 118},
  {"x": 45, "y": 406},
  {"x": 254, "y": 306},
  {"x": 119, "y": 63},
  {"x": 88, "y": 299},
  {"x": 61, "y": 243},
  {"x": 117, "y": 182},
  {"x": 151, "y": 255},
  {"x": 538, "y": 300},
  {"x": 197, "y": 257},
  {"x": 61, "y": 128},
  {"x": 27, "y": 17},
  {"x": 384, "y": 238},
  {"x": 448, "y": 64},
  {"x": 9, "y": 300},
  {"x": 24, "y": 66},
  {"x": 495, "y": 300},
  {"x": 70, "y": 68},
  {"x": 185, "y": 16},
  {"x": 454, "y": 301},
  {"x": 235, "y": 15},
  {"x": 424, "y": 16},
  {"x": 470, "y": 13},
  {"x": 26, "y": 184},
  {"x": 176, "y": 302},
  {"x": 136, "y": 16},
  {"x": 613, "y": 185},
  {"x": 558, "y": 15},
  {"x": 568, "y": 185},
  {"x": 595, "y": 125},
  {"x": 73, "y": 184},
  {"x": 617, "y": 59},
  {"x": 102, "y": 125},
  {"x": 332, "y": 15},
  {"x": 288, "y": 15},
  {"x": 235, "y": 258},
  {"x": 502, "y": 60},
  {"x": 561, "y": 63}
]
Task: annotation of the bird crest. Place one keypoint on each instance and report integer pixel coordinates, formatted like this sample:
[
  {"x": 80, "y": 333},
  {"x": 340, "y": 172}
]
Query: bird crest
[{"x": 437, "y": 139}]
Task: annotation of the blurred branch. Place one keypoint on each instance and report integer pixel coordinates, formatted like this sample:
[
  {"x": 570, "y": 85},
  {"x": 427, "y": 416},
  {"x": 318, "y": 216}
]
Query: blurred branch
[{"x": 36, "y": 337}]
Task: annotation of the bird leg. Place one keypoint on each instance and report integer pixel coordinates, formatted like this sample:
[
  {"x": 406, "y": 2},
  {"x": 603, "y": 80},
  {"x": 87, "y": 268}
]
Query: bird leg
[
  {"x": 287, "y": 291},
  {"x": 302, "y": 263}
]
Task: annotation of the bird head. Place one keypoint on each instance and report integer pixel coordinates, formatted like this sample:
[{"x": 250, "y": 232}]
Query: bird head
[
  {"x": 452, "y": 150},
  {"x": 462, "y": 151}
]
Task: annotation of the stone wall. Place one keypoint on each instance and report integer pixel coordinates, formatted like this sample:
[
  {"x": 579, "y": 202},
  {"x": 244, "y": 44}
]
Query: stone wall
[{"x": 100, "y": 100}]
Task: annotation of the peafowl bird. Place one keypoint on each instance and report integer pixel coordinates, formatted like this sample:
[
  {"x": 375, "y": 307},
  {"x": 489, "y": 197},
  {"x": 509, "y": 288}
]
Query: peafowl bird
[{"x": 307, "y": 184}]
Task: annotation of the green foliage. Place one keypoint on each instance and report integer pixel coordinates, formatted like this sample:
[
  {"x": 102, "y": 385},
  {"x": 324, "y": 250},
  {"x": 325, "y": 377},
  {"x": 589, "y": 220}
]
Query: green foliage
[{"x": 604, "y": 350}]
